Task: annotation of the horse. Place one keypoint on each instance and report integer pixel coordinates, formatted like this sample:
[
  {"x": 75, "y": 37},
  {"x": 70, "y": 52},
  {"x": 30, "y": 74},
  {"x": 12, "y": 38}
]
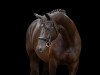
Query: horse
[{"x": 54, "y": 39}]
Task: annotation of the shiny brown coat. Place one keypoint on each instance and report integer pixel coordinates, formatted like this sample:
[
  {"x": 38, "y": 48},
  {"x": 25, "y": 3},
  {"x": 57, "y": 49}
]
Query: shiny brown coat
[{"x": 64, "y": 49}]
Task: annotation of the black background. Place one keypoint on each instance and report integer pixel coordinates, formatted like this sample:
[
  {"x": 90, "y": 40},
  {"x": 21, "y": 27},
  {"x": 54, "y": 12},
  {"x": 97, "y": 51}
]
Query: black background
[{"x": 18, "y": 16}]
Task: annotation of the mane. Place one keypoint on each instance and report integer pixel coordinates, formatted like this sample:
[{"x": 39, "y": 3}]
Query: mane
[{"x": 58, "y": 10}]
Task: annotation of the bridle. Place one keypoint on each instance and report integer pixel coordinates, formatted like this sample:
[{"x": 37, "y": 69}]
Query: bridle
[{"x": 48, "y": 40}]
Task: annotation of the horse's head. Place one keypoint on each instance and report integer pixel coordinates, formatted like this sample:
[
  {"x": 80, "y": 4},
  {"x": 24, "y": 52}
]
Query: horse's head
[{"x": 48, "y": 33}]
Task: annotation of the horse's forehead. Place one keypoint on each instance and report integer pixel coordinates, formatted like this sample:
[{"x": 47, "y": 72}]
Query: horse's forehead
[{"x": 47, "y": 23}]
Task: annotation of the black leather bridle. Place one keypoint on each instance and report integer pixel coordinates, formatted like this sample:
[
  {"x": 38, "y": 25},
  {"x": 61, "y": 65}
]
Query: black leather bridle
[{"x": 48, "y": 40}]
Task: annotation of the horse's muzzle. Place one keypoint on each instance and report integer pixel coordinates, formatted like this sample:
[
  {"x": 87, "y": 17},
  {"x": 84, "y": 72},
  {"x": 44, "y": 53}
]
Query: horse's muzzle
[{"x": 39, "y": 49}]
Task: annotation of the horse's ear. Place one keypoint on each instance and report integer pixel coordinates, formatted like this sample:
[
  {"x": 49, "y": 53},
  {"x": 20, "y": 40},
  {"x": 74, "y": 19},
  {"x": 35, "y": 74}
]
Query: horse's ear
[
  {"x": 38, "y": 16},
  {"x": 47, "y": 16}
]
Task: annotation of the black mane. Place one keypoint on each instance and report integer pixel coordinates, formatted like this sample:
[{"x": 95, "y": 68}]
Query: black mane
[{"x": 58, "y": 10}]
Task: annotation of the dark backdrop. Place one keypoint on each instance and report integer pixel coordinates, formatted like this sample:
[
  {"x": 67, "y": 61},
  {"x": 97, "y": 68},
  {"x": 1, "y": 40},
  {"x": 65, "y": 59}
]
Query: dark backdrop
[{"x": 18, "y": 17}]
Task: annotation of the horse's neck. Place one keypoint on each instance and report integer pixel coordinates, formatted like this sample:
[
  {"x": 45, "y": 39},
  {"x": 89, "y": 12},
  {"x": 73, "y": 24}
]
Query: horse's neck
[
  {"x": 66, "y": 37},
  {"x": 65, "y": 21},
  {"x": 69, "y": 27}
]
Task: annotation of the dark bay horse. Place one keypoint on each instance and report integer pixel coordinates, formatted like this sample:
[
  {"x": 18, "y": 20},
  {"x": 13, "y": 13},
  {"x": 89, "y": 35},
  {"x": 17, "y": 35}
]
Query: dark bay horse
[{"x": 55, "y": 40}]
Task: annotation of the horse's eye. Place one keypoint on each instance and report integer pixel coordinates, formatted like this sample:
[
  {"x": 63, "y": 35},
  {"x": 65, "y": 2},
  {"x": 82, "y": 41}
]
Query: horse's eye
[{"x": 48, "y": 29}]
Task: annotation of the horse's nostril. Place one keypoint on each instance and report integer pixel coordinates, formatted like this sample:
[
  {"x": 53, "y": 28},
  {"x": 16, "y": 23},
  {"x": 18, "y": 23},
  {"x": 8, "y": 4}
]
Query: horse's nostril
[{"x": 40, "y": 49}]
